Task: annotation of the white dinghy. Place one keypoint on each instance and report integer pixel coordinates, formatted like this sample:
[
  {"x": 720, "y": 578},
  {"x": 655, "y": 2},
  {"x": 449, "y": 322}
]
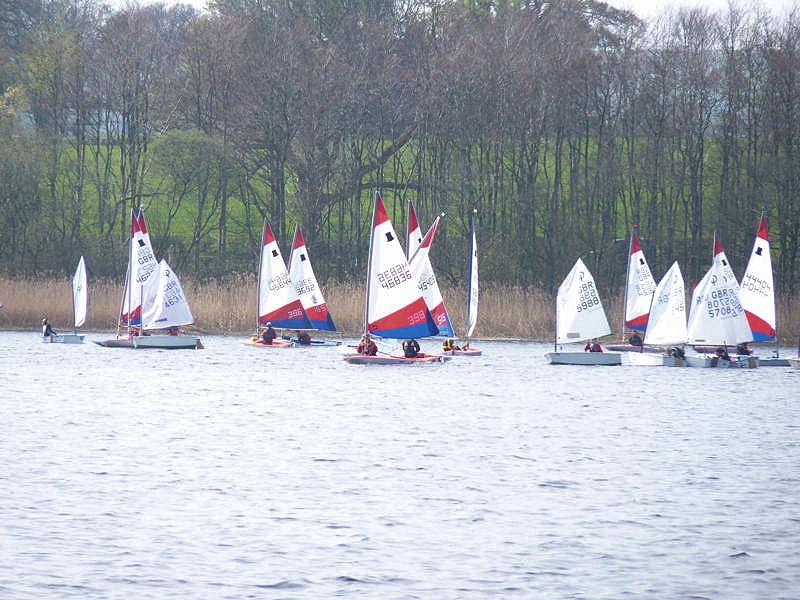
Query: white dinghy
[
  {"x": 580, "y": 317},
  {"x": 80, "y": 306}
]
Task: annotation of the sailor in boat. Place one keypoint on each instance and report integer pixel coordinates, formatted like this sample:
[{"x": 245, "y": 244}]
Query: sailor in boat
[
  {"x": 677, "y": 352},
  {"x": 592, "y": 346},
  {"x": 743, "y": 349},
  {"x": 47, "y": 329},
  {"x": 722, "y": 354},
  {"x": 449, "y": 345},
  {"x": 635, "y": 340},
  {"x": 268, "y": 335},
  {"x": 303, "y": 338},
  {"x": 367, "y": 346},
  {"x": 173, "y": 331},
  {"x": 411, "y": 348}
]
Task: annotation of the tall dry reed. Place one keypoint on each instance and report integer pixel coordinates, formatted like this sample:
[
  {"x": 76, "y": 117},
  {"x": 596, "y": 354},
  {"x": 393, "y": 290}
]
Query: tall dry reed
[{"x": 228, "y": 306}]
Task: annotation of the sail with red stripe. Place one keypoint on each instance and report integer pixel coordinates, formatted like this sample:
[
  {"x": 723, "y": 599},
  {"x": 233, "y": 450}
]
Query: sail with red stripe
[
  {"x": 142, "y": 273},
  {"x": 413, "y": 233},
  {"x": 422, "y": 269},
  {"x": 395, "y": 306},
  {"x": 278, "y": 303},
  {"x": 639, "y": 287},
  {"x": 757, "y": 294},
  {"x": 305, "y": 284}
]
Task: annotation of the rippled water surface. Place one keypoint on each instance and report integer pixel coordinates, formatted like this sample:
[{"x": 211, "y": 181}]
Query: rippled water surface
[{"x": 239, "y": 472}]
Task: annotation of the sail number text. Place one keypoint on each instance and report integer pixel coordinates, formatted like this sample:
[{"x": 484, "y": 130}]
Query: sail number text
[
  {"x": 588, "y": 297},
  {"x": 394, "y": 276}
]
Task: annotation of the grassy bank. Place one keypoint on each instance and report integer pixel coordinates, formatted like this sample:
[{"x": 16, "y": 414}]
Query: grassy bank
[{"x": 229, "y": 307}]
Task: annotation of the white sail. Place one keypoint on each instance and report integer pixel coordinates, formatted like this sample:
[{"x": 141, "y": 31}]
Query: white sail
[
  {"x": 639, "y": 287},
  {"x": 305, "y": 284},
  {"x": 413, "y": 232},
  {"x": 579, "y": 312},
  {"x": 716, "y": 315},
  {"x": 278, "y": 302},
  {"x": 140, "y": 292},
  {"x": 757, "y": 293},
  {"x": 722, "y": 260},
  {"x": 472, "y": 292},
  {"x": 80, "y": 294},
  {"x": 422, "y": 270},
  {"x": 667, "y": 322},
  {"x": 170, "y": 308}
]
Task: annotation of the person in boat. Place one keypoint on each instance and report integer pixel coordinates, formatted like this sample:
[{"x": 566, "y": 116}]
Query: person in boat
[
  {"x": 411, "y": 348},
  {"x": 47, "y": 329},
  {"x": 173, "y": 331},
  {"x": 743, "y": 349},
  {"x": 592, "y": 346},
  {"x": 303, "y": 338},
  {"x": 367, "y": 346},
  {"x": 449, "y": 345},
  {"x": 635, "y": 340},
  {"x": 677, "y": 352},
  {"x": 722, "y": 353},
  {"x": 269, "y": 334}
]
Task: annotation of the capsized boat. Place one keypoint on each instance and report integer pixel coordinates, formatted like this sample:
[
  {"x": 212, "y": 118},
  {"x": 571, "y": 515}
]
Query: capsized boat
[
  {"x": 394, "y": 307},
  {"x": 716, "y": 317},
  {"x": 639, "y": 287},
  {"x": 666, "y": 324},
  {"x": 80, "y": 306},
  {"x": 139, "y": 290},
  {"x": 580, "y": 317}
]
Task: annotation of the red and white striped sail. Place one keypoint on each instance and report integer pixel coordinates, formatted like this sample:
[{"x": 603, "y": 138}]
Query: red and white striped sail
[
  {"x": 278, "y": 302},
  {"x": 639, "y": 287},
  {"x": 413, "y": 233},
  {"x": 142, "y": 273},
  {"x": 719, "y": 257},
  {"x": 305, "y": 284},
  {"x": 395, "y": 306},
  {"x": 422, "y": 269},
  {"x": 169, "y": 307},
  {"x": 716, "y": 315},
  {"x": 757, "y": 293},
  {"x": 579, "y": 312},
  {"x": 667, "y": 322}
]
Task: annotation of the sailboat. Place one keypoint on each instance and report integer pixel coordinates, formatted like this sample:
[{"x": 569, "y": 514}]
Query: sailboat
[
  {"x": 716, "y": 317},
  {"x": 757, "y": 295},
  {"x": 639, "y": 287},
  {"x": 169, "y": 310},
  {"x": 666, "y": 325},
  {"x": 580, "y": 317},
  {"x": 422, "y": 270},
  {"x": 472, "y": 295},
  {"x": 394, "y": 306},
  {"x": 277, "y": 303},
  {"x": 301, "y": 273},
  {"x": 137, "y": 293},
  {"x": 80, "y": 305}
]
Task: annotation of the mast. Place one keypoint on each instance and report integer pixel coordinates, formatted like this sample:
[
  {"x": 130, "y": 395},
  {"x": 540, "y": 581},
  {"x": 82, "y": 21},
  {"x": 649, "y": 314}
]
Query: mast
[
  {"x": 627, "y": 278},
  {"x": 130, "y": 274},
  {"x": 369, "y": 262},
  {"x": 74, "y": 329},
  {"x": 258, "y": 285}
]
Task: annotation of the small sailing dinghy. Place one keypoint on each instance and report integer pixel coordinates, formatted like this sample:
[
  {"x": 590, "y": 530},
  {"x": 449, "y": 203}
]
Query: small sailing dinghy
[
  {"x": 580, "y": 317},
  {"x": 666, "y": 324},
  {"x": 422, "y": 270},
  {"x": 472, "y": 296},
  {"x": 138, "y": 292},
  {"x": 639, "y": 287},
  {"x": 168, "y": 311},
  {"x": 277, "y": 302},
  {"x": 757, "y": 296},
  {"x": 395, "y": 307},
  {"x": 301, "y": 274},
  {"x": 717, "y": 318},
  {"x": 80, "y": 305}
]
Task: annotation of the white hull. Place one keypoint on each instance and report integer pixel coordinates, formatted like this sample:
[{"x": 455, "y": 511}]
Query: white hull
[
  {"x": 644, "y": 359},
  {"x": 584, "y": 358},
  {"x": 712, "y": 362},
  {"x": 64, "y": 338},
  {"x": 794, "y": 362},
  {"x": 772, "y": 361},
  {"x": 166, "y": 342}
]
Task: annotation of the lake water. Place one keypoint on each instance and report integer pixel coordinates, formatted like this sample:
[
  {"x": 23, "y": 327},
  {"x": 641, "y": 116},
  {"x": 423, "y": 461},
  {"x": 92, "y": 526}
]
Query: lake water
[{"x": 240, "y": 472}]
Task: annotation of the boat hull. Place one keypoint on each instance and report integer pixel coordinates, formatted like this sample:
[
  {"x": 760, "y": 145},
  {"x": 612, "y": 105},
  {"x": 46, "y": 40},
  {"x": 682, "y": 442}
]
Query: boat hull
[
  {"x": 64, "y": 338},
  {"x": 274, "y": 344},
  {"x": 470, "y": 352},
  {"x": 362, "y": 359},
  {"x": 584, "y": 358},
  {"x": 629, "y": 348},
  {"x": 772, "y": 361},
  {"x": 115, "y": 343},
  {"x": 166, "y": 342},
  {"x": 648, "y": 359},
  {"x": 713, "y": 362},
  {"x": 314, "y": 343},
  {"x": 794, "y": 362}
]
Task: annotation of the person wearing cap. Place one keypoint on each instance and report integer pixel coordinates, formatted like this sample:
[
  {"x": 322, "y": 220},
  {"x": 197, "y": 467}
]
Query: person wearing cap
[
  {"x": 47, "y": 329},
  {"x": 268, "y": 335}
]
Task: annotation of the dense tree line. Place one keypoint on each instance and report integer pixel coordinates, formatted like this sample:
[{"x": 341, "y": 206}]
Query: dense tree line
[{"x": 564, "y": 122}]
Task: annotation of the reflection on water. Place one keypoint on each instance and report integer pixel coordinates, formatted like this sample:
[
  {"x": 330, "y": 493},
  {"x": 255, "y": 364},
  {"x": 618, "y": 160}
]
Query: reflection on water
[{"x": 246, "y": 472}]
